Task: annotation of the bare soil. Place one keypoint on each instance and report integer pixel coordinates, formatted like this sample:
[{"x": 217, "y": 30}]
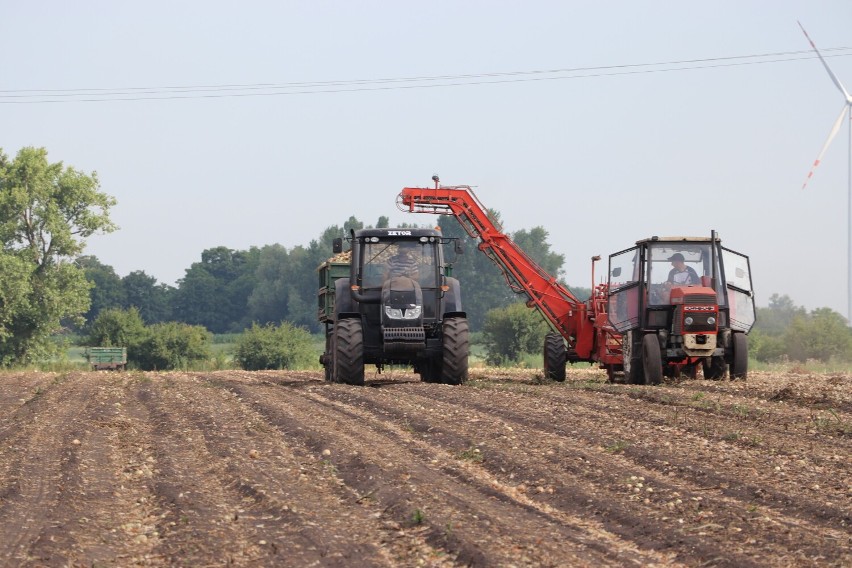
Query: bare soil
[{"x": 283, "y": 469}]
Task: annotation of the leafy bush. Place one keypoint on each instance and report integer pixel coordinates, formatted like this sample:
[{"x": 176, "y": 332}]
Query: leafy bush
[
  {"x": 511, "y": 332},
  {"x": 767, "y": 348},
  {"x": 172, "y": 346},
  {"x": 274, "y": 347}
]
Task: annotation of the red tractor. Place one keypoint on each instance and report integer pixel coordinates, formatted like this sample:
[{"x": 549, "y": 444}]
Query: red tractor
[
  {"x": 670, "y": 327},
  {"x": 638, "y": 324}
]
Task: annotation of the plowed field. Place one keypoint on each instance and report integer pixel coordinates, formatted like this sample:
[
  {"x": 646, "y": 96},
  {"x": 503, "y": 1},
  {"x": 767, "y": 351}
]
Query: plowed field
[{"x": 283, "y": 469}]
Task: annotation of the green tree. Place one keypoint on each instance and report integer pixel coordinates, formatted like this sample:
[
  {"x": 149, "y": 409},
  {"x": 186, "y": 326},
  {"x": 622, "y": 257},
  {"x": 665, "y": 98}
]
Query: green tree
[
  {"x": 152, "y": 299},
  {"x": 15, "y": 296},
  {"x": 274, "y": 347},
  {"x": 512, "y": 331},
  {"x": 268, "y": 300},
  {"x": 777, "y": 317},
  {"x": 215, "y": 292},
  {"x": 46, "y": 213},
  {"x": 107, "y": 290},
  {"x": 534, "y": 243}
]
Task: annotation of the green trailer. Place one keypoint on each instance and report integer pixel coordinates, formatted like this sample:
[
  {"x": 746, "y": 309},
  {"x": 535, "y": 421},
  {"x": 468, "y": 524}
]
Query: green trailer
[
  {"x": 107, "y": 358},
  {"x": 329, "y": 272}
]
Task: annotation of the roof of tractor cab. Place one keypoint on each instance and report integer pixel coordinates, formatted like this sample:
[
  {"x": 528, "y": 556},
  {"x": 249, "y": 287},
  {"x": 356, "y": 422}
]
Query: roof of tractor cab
[
  {"x": 656, "y": 239},
  {"x": 393, "y": 233}
]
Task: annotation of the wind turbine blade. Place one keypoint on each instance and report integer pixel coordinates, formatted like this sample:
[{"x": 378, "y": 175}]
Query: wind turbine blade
[
  {"x": 827, "y": 68},
  {"x": 831, "y": 135}
]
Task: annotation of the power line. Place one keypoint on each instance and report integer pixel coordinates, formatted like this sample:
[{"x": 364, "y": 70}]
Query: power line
[{"x": 47, "y": 96}]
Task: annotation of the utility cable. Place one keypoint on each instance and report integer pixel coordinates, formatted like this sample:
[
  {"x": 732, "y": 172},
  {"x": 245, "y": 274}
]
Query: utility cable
[{"x": 45, "y": 96}]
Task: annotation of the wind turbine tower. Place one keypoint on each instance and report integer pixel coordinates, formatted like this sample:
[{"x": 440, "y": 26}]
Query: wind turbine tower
[{"x": 844, "y": 112}]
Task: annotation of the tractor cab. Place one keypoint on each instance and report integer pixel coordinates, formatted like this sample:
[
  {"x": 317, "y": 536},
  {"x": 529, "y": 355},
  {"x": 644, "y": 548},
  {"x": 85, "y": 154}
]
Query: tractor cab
[
  {"x": 685, "y": 301},
  {"x": 399, "y": 305}
]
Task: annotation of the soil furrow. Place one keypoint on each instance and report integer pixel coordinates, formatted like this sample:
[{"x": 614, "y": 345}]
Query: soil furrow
[
  {"x": 726, "y": 494},
  {"x": 458, "y": 488},
  {"x": 40, "y": 464}
]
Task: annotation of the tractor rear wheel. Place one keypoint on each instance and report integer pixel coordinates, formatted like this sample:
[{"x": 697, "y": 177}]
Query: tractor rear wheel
[
  {"x": 456, "y": 349},
  {"x": 633, "y": 371},
  {"x": 652, "y": 360},
  {"x": 348, "y": 352},
  {"x": 555, "y": 355},
  {"x": 739, "y": 361},
  {"x": 430, "y": 369}
]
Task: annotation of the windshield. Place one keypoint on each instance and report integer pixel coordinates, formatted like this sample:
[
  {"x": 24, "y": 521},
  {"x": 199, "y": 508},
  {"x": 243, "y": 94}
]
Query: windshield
[
  {"x": 387, "y": 259},
  {"x": 678, "y": 264}
]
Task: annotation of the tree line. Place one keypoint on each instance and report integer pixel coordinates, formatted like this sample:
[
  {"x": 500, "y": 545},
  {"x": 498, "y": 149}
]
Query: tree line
[
  {"x": 229, "y": 290},
  {"x": 785, "y": 331}
]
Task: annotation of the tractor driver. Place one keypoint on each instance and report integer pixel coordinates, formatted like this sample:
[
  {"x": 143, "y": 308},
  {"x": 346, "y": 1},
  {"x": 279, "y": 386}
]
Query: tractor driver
[
  {"x": 681, "y": 274},
  {"x": 403, "y": 263}
]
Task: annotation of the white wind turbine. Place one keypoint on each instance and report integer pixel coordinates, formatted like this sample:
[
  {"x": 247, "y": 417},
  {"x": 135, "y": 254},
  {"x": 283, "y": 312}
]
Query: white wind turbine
[{"x": 847, "y": 109}]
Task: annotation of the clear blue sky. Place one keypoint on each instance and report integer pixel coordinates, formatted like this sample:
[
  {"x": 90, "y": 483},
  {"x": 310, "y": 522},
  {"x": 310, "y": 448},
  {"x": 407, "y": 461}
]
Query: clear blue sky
[{"x": 599, "y": 158}]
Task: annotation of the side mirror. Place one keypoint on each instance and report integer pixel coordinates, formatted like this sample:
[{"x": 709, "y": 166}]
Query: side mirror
[
  {"x": 457, "y": 247},
  {"x": 337, "y": 245},
  {"x": 616, "y": 272}
]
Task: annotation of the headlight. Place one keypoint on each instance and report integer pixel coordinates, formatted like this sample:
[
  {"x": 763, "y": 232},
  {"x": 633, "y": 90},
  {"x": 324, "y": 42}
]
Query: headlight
[
  {"x": 711, "y": 320},
  {"x": 688, "y": 320},
  {"x": 398, "y": 313}
]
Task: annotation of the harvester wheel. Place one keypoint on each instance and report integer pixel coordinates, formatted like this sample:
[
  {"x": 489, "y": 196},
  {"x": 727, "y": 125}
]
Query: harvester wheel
[
  {"x": 555, "y": 355},
  {"x": 714, "y": 368},
  {"x": 652, "y": 360},
  {"x": 456, "y": 343},
  {"x": 739, "y": 361},
  {"x": 348, "y": 352}
]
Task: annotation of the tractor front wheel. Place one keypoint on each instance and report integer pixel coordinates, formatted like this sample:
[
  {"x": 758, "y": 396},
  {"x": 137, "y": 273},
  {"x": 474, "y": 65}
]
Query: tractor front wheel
[
  {"x": 652, "y": 360},
  {"x": 739, "y": 361},
  {"x": 456, "y": 347},
  {"x": 348, "y": 352}
]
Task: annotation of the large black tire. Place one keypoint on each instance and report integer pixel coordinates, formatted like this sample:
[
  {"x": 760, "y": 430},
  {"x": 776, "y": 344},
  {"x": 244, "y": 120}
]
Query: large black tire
[
  {"x": 456, "y": 343},
  {"x": 555, "y": 355},
  {"x": 633, "y": 371},
  {"x": 739, "y": 360},
  {"x": 430, "y": 370},
  {"x": 714, "y": 368},
  {"x": 652, "y": 360},
  {"x": 348, "y": 352}
]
